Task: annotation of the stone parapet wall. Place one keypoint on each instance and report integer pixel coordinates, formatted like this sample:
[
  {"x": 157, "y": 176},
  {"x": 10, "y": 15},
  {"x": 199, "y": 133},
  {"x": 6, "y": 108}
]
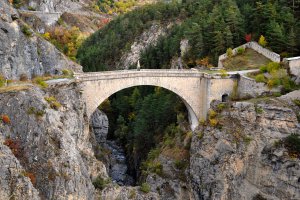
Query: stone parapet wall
[
  {"x": 256, "y": 47},
  {"x": 248, "y": 87}
]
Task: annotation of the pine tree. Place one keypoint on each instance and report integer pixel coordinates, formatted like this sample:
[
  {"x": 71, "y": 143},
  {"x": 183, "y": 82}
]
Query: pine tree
[
  {"x": 275, "y": 36},
  {"x": 228, "y": 37}
]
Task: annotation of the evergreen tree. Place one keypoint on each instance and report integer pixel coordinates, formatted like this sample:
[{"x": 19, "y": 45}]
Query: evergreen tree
[{"x": 275, "y": 36}]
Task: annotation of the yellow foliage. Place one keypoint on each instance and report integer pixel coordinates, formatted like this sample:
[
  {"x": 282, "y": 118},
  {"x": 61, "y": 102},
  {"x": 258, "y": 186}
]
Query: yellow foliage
[
  {"x": 47, "y": 36},
  {"x": 213, "y": 122}
]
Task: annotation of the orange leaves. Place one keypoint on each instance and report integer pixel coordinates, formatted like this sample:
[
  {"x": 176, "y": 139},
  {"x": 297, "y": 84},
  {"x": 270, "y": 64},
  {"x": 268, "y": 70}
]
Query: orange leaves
[
  {"x": 14, "y": 145},
  {"x": 5, "y": 119}
]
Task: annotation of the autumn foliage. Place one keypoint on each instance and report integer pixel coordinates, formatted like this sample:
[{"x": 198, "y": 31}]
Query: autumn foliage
[
  {"x": 248, "y": 37},
  {"x": 5, "y": 119},
  {"x": 14, "y": 145},
  {"x": 31, "y": 176},
  {"x": 66, "y": 40}
]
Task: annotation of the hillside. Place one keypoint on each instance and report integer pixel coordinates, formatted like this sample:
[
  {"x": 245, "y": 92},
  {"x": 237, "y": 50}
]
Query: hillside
[{"x": 209, "y": 27}]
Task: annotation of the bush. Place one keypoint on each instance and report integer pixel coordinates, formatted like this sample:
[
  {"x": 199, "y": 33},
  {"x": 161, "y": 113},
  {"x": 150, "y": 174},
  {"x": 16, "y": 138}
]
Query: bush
[
  {"x": 100, "y": 183},
  {"x": 297, "y": 102},
  {"x": 67, "y": 72},
  {"x": 212, "y": 114},
  {"x": 263, "y": 69},
  {"x": 213, "y": 122},
  {"x": 229, "y": 52},
  {"x": 262, "y": 41},
  {"x": 40, "y": 82},
  {"x": 181, "y": 164},
  {"x": 31, "y": 176},
  {"x": 223, "y": 73},
  {"x": 54, "y": 104},
  {"x": 15, "y": 147},
  {"x": 23, "y": 77},
  {"x": 260, "y": 78},
  {"x": 132, "y": 194},
  {"x": 272, "y": 66},
  {"x": 273, "y": 82},
  {"x": 145, "y": 188},
  {"x": 26, "y": 30},
  {"x": 240, "y": 50},
  {"x": 2, "y": 81},
  {"x": 5, "y": 119},
  {"x": 292, "y": 143},
  {"x": 221, "y": 107},
  {"x": 31, "y": 8}
]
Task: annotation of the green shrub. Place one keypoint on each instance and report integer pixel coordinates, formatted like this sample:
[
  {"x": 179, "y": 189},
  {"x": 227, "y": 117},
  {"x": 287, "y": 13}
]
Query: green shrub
[
  {"x": 67, "y": 72},
  {"x": 229, "y": 52},
  {"x": 26, "y": 30},
  {"x": 181, "y": 164},
  {"x": 36, "y": 112},
  {"x": 292, "y": 143},
  {"x": 297, "y": 102},
  {"x": 31, "y": 8},
  {"x": 221, "y": 107},
  {"x": 100, "y": 183},
  {"x": 145, "y": 187},
  {"x": 223, "y": 73},
  {"x": 260, "y": 78},
  {"x": 2, "y": 81},
  {"x": 258, "y": 110},
  {"x": 40, "y": 82},
  {"x": 273, "y": 82},
  {"x": 240, "y": 50},
  {"x": 212, "y": 114},
  {"x": 247, "y": 139},
  {"x": 272, "y": 66},
  {"x": 263, "y": 69},
  {"x": 54, "y": 104}
]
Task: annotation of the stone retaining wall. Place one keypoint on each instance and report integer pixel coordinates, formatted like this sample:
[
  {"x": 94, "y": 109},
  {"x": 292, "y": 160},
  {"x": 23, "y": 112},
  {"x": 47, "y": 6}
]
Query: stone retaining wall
[
  {"x": 256, "y": 47},
  {"x": 248, "y": 87}
]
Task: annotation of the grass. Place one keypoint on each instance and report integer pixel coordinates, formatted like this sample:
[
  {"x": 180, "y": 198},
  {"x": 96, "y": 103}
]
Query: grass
[
  {"x": 13, "y": 88},
  {"x": 54, "y": 104},
  {"x": 250, "y": 59}
]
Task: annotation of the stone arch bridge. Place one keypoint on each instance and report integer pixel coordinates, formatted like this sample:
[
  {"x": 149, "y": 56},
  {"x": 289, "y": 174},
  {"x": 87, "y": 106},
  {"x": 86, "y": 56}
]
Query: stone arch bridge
[{"x": 195, "y": 88}]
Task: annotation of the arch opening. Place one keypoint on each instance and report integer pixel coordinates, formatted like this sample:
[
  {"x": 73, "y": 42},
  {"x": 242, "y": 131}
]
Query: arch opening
[
  {"x": 192, "y": 116},
  {"x": 123, "y": 121}
]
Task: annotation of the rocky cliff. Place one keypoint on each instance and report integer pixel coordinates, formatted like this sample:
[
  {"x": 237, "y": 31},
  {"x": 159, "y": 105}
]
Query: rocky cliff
[
  {"x": 242, "y": 158},
  {"x": 46, "y": 146},
  {"x": 24, "y": 52}
]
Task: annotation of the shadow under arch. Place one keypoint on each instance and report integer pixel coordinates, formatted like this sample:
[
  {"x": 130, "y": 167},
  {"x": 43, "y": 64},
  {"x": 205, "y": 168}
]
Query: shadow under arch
[{"x": 192, "y": 117}]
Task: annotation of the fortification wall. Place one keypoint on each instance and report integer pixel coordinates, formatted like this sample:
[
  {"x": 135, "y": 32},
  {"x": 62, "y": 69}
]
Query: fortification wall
[
  {"x": 48, "y": 18},
  {"x": 248, "y": 87},
  {"x": 293, "y": 65},
  {"x": 256, "y": 47}
]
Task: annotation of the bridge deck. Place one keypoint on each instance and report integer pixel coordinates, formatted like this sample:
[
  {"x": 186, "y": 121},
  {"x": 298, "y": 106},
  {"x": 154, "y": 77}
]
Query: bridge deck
[{"x": 118, "y": 74}]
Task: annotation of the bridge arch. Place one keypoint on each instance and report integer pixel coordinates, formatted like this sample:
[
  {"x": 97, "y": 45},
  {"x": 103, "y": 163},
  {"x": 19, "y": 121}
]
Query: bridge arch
[
  {"x": 193, "y": 119},
  {"x": 196, "y": 89}
]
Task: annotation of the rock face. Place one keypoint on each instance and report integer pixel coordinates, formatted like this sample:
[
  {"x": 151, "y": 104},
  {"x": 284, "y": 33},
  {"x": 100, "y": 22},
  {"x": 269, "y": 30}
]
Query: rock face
[
  {"x": 23, "y": 52},
  {"x": 13, "y": 182},
  {"x": 240, "y": 160},
  {"x": 99, "y": 122},
  {"x": 52, "y": 147},
  {"x": 149, "y": 37}
]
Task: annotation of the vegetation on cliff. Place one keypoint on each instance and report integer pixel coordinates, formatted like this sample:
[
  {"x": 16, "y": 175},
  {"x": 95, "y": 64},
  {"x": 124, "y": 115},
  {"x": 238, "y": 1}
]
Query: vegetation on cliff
[{"x": 210, "y": 26}]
